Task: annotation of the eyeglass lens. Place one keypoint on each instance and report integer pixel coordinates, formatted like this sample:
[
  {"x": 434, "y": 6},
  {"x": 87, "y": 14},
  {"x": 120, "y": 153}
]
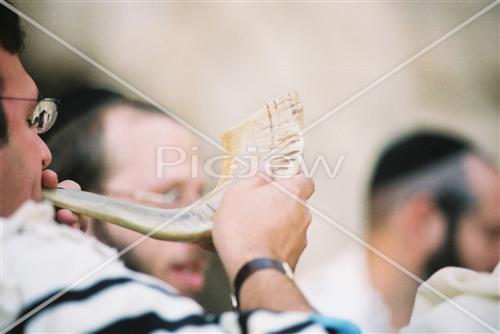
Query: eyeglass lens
[{"x": 44, "y": 115}]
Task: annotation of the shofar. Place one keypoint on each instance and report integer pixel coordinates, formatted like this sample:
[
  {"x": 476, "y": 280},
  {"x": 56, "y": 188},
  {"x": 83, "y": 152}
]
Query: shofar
[{"x": 272, "y": 134}]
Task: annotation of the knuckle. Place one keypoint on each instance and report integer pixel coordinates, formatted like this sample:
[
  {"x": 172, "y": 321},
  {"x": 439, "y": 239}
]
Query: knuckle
[
  {"x": 294, "y": 189},
  {"x": 312, "y": 184},
  {"x": 303, "y": 244},
  {"x": 307, "y": 187}
]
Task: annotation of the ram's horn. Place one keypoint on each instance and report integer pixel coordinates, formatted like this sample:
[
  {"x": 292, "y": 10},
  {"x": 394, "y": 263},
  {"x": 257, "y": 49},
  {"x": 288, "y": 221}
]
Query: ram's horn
[{"x": 272, "y": 134}]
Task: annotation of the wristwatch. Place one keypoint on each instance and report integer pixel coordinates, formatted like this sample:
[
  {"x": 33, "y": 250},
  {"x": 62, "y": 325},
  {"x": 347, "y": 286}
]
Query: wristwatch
[{"x": 253, "y": 266}]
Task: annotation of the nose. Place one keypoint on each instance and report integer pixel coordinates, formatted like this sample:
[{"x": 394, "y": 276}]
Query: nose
[{"x": 45, "y": 153}]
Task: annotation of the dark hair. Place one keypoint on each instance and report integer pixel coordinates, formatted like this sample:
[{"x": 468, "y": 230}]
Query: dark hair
[
  {"x": 11, "y": 40},
  {"x": 412, "y": 153},
  {"x": 11, "y": 34},
  {"x": 76, "y": 142},
  {"x": 430, "y": 162}
]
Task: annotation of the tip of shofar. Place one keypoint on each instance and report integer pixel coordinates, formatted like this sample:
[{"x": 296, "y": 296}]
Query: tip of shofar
[{"x": 271, "y": 135}]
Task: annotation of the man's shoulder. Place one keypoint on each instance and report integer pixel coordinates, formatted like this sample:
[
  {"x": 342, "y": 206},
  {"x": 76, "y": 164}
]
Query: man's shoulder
[
  {"x": 471, "y": 290},
  {"x": 44, "y": 261},
  {"x": 43, "y": 256},
  {"x": 34, "y": 233}
]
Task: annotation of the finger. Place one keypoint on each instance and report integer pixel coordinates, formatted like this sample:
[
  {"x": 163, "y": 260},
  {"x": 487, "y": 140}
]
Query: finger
[
  {"x": 299, "y": 184},
  {"x": 49, "y": 178},
  {"x": 265, "y": 176},
  {"x": 306, "y": 184},
  {"x": 68, "y": 184},
  {"x": 251, "y": 182},
  {"x": 67, "y": 217},
  {"x": 71, "y": 219}
]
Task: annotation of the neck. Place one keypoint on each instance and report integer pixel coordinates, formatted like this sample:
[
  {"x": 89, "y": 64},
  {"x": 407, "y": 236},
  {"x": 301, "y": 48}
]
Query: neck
[{"x": 398, "y": 290}]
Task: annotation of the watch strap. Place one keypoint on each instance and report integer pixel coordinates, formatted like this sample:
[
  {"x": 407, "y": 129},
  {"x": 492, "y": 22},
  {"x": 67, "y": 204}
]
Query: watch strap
[{"x": 253, "y": 266}]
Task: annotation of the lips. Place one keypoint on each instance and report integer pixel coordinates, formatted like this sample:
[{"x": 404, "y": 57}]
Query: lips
[
  {"x": 187, "y": 276},
  {"x": 194, "y": 266}
]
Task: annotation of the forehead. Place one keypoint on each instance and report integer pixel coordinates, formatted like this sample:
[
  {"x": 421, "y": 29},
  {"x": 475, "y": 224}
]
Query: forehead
[
  {"x": 485, "y": 179},
  {"x": 15, "y": 80},
  {"x": 134, "y": 140},
  {"x": 485, "y": 182}
]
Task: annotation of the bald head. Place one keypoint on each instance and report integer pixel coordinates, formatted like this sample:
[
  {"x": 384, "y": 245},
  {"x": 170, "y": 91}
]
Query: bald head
[{"x": 133, "y": 141}]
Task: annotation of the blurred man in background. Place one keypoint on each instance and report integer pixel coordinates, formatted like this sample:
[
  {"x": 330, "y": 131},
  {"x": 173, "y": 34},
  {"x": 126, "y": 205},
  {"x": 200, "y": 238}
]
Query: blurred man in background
[
  {"x": 57, "y": 279},
  {"x": 110, "y": 147},
  {"x": 433, "y": 202}
]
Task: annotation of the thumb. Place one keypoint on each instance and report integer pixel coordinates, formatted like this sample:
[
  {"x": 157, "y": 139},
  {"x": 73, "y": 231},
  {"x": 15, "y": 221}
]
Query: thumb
[{"x": 68, "y": 184}]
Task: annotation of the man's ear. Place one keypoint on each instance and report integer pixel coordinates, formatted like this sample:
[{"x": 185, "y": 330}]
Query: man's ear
[{"x": 424, "y": 226}]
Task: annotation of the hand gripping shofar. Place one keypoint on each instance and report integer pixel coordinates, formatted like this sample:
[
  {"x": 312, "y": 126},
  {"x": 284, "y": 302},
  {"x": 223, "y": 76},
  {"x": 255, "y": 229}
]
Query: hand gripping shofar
[{"x": 272, "y": 134}]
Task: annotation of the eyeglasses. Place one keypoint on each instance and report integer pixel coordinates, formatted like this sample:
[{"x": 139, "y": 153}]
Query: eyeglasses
[{"x": 44, "y": 115}]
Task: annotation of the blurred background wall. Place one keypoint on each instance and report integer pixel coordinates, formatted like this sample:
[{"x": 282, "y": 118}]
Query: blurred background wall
[{"x": 215, "y": 63}]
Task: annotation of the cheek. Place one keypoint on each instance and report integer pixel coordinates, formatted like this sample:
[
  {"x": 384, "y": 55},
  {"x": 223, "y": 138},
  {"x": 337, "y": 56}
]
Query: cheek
[
  {"x": 175, "y": 249},
  {"x": 23, "y": 149},
  {"x": 153, "y": 257},
  {"x": 141, "y": 256},
  {"x": 121, "y": 237},
  {"x": 21, "y": 178},
  {"x": 473, "y": 247}
]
